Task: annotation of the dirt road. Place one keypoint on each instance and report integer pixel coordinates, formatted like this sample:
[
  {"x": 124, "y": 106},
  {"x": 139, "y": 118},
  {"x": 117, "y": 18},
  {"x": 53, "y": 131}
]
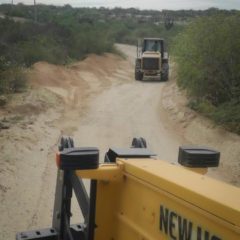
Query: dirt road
[{"x": 98, "y": 102}]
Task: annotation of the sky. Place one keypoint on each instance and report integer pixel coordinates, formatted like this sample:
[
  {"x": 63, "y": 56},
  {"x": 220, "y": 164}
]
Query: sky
[{"x": 141, "y": 4}]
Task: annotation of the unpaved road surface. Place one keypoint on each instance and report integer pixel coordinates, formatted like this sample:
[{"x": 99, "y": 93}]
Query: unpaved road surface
[{"x": 98, "y": 102}]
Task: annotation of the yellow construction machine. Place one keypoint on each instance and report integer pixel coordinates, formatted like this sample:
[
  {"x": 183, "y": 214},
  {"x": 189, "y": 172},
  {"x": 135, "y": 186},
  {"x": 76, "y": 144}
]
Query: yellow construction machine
[
  {"x": 152, "y": 60},
  {"x": 135, "y": 196}
]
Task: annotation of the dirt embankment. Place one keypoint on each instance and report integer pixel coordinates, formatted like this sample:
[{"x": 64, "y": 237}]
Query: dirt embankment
[
  {"x": 98, "y": 102},
  {"x": 201, "y": 131}
]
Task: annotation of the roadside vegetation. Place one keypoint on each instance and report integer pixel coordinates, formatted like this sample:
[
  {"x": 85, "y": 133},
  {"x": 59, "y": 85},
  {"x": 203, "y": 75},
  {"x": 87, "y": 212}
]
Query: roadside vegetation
[
  {"x": 205, "y": 43},
  {"x": 208, "y": 58}
]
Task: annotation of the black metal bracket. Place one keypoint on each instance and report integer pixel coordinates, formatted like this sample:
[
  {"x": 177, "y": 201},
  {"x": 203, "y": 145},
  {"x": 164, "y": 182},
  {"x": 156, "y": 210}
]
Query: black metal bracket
[
  {"x": 43, "y": 234},
  {"x": 70, "y": 159},
  {"x": 67, "y": 182},
  {"x": 51, "y": 234},
  {"x": 114, "y": 153}
]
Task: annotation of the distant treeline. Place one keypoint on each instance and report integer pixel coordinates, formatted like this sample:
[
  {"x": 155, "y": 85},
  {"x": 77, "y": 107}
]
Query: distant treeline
[
  {"x": 120, "y": 25},
  {"x": 61, "y": 34},
  {"x": 44, "y": 13},
  {"x": 208, "y": 57}
]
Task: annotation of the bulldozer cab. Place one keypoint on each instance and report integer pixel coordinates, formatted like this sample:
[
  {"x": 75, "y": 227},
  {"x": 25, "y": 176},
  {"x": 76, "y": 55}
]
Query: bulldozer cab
[{"x": 153, "y": 45}]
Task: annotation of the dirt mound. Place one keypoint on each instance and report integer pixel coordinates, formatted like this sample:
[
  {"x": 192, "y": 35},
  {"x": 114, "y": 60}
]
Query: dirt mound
[
  {"x": 74, "y": 82},
  {"x": 46, "y": 74},
  {"x": 28, "y": 109}
]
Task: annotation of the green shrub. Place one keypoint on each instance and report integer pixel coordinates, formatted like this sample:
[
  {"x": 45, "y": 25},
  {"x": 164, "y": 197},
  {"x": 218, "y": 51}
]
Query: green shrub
[
  {"x": 202, "y": 106},
  {"x": 208, "y": 53},
  {"x": 208, "y": 57},
  {"x": 228, "y": 115},
  {"x": 12, "y": 80}
]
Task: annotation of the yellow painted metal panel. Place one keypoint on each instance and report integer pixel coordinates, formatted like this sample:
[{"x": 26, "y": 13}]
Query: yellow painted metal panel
[
  {"x": 107, "y": 172},
  {"x": 153, "y": 200},
  {"x": 213, "y": 196},
  {"x": 139, "y": 215}
]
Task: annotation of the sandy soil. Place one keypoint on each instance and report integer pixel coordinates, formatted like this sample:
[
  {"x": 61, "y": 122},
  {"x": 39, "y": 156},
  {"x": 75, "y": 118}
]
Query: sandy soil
[{"x": 98, "y": 102}]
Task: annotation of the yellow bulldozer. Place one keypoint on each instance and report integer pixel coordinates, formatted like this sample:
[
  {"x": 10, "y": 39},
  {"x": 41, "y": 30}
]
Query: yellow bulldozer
[
  {"x": 135, "y": 196},
  {"x": 152, "y": 60}
]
